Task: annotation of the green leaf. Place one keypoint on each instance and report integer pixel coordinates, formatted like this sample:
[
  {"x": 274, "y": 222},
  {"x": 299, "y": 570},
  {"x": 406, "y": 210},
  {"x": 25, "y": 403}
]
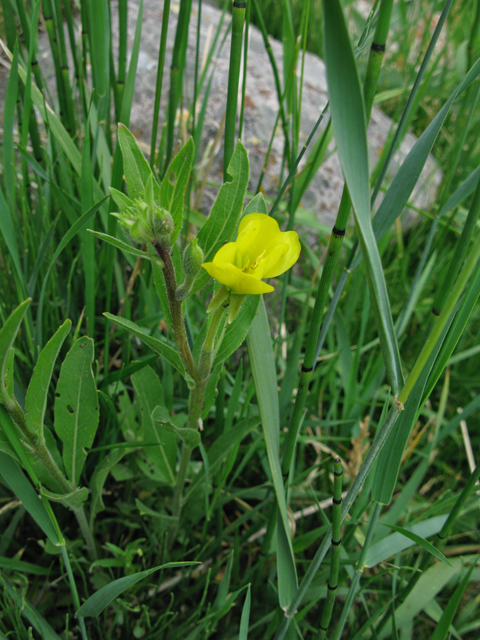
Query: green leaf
[
  {"x": 135, "y": 167},
  {"x": 349, "y": 125},
  {"x": 8, "y": 231},
  {"x": 245, "y": 619},
  {"x": 166, "y": 520},
  {"x": 223, "y": 219},
  {"x": 14, "y": 478},
  {"x": 73, "y": 500},
  {"x": 10, "y": 441},
  {"x": 8, "y": 333},
  {"x": 98, "y": 481},
  {"x": 236, "y": 332},
  {"x": 164, "y": 455},
  {"x": 464, "y": 190},
  {"x": 71, "y": 233},
  {"x": 221, "y": 449},
  {"x": 441, "y": 631},
  {"x": 224, "y": 585},
  {"x": 265, "y": 378},
  {"x": 174, "y": 185},
  {"x": 127, "y": 248},
  {"x": 76, "y": 407},
  {"x": 156, "y": 345},
  {"x": 390, "y": 457},
  {"x": 430, "y": 583},
  {"x": 104, "y": 596},
  {"x": 397, "y": 542},
  {"x": 9, "y": 149},
  {"x": 190, "y": 437},
  {"x": 121, "y": 200},
  {"x": 407, "y": 176},
  {"x": 256, "y": 205},
  {"x": 55, "y": 126},
  {"x": 428, "y": 546},
  {"x": 31, "y": 614},
  {"x": 129, "y": 87},
  {"x": 37, "y": 393}
]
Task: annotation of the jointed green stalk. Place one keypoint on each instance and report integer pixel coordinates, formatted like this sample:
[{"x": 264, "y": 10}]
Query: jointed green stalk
[
  {"x": 442, "y": 319},
  {"x": 335, "y": 551},
  {"x": 158, "y": 86},
  {"x": 315, "y": 564},
  {"x": 276, "y": 77},
  {"x": 445, "y": 286},
  {"x": 334, "y": 246},
  {"x": 441, "y": 539},
  {"x": 238, "y": 19},
  {"x": 353, "y": 590},
  {"x": 176, "y": 74}
]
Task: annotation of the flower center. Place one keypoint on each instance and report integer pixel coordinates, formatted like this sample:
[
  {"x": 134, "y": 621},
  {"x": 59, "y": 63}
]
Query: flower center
[{"x": 248, "y": 268}]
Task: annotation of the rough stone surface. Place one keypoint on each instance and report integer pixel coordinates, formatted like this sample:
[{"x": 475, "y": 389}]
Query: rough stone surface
[{"x": 323, "y": 196}]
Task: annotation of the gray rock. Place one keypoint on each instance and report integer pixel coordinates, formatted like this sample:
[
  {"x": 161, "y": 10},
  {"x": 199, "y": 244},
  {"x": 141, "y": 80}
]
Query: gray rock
[{"x": 261, "y": 107}]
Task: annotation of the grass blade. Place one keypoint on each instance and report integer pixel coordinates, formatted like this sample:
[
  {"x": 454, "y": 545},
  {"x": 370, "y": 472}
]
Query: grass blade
[
  {"x": 264, "y": 375},
  {"x": 428, "y": 546},
  {"x": 349, "y": 124},
  {"x": 94, "y": 606}
]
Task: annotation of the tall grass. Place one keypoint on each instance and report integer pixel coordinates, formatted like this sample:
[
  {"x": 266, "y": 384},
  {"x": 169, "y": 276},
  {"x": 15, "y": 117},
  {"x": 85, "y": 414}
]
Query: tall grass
[{"x": 308, "y": 470}]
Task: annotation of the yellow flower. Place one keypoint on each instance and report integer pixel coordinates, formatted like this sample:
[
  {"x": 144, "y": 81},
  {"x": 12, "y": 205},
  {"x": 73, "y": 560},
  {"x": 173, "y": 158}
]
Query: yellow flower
[{"x": 261, "y": 250}]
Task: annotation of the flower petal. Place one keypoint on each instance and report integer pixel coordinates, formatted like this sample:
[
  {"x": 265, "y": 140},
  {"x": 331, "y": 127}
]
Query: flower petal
[
  {"x": 226, "y": 254},
  {"x": 235, "y": 279},
  {"x": 257, "y": 233},
  {"x": 282, "y": 257}
]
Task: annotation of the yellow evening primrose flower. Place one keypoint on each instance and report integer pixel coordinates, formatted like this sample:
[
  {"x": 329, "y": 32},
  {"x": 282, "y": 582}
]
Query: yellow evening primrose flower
[{"x": 260, "y": 251}]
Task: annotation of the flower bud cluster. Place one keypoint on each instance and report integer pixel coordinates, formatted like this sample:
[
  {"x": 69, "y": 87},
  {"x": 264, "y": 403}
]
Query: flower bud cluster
[{"x": 144, "y": 219}]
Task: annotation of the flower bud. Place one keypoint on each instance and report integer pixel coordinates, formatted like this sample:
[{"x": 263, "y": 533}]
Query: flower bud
[
  {"x": 162, "y": 221},
  {"x": 192, "y": 258},
  {"x": 192, "y": 263}
]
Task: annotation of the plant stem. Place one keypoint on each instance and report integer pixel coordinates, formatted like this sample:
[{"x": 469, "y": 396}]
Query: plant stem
[
  {"x": 37, "y": 447},
  {"x": 347, "y": 607},
  {"x": 176, "y": 310},
  {"x": 206, "y": 354},
  {"x": 73, "y": 589},
  {"x": 87, "y": 533},
  {"x": 335, "y": 552}
]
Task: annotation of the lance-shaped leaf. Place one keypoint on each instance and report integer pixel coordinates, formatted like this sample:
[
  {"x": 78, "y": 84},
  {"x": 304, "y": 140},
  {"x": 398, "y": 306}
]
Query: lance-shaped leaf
[
  {"x": 150, "y": 394},
  {"x": 135, "y": 167},
  {"x": 191, "y": 437},
  {"x": 36, "y": 399},
  {"x": 126, "y": 248},
  {"x": 8, "y": 333},
  {"x": 98, "y": 480},
  {"x": 104, "y": 596},
  {"x": 174, "y": 185},
  {"x": 156, "y": 345},
  {"x": 262, "y": 360},
  {"x": 349, "y": 125},
  {"x": 76, "y": 407}
]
